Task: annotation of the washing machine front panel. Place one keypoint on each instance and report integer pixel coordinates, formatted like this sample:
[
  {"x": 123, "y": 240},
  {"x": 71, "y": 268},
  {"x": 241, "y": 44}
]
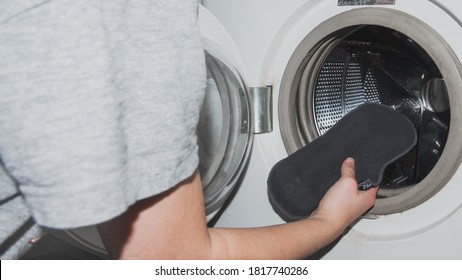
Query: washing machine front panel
[
  {"x": 428, "y": 26},
  {"x": 252, "y": 25}
]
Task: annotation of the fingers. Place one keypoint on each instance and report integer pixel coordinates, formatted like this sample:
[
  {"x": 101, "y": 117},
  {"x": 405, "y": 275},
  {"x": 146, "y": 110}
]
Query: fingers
[
  {"x": 371, "y": 195},
  {"x": 373, "y": 191}
]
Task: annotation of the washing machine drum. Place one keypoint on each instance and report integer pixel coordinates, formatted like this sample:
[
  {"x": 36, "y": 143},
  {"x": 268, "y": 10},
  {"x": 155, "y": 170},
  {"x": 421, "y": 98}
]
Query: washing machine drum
[{"x": 379, "y": 65}]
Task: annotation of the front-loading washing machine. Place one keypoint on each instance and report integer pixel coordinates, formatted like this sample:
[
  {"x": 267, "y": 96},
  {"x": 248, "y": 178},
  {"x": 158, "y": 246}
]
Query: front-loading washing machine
[
  {"x": 281, "y": 73},
  {"x": 321, "y": 59}
]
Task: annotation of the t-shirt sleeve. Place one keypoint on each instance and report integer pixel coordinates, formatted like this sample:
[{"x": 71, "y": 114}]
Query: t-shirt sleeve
[{"x": 98, "y": 109}]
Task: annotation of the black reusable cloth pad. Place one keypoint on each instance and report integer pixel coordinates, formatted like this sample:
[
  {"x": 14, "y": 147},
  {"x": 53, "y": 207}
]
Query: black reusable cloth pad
[{"x": 373, "y": 134}]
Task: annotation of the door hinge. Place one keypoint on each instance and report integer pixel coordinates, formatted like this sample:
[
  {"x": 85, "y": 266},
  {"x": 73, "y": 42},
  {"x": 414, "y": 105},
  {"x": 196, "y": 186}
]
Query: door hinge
[{"x": 262, "y": 108}]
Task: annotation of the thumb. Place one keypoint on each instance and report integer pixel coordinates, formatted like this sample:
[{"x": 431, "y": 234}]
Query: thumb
[
  {"x": 348, "y": 169},
  {"x": 348, "y": 173}
]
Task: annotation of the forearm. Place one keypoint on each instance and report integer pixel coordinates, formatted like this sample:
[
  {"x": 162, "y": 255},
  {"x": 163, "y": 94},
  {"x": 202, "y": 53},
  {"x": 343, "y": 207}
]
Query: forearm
[{"x": 294, "y": 240}]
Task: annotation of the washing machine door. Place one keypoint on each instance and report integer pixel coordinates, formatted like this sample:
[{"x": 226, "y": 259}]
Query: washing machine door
[
  {"x": 225, "y": 129},
  {"x": 224, "y": 133}
]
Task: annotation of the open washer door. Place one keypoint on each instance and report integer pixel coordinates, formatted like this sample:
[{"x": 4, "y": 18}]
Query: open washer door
[{"x": 224, "y": 131}]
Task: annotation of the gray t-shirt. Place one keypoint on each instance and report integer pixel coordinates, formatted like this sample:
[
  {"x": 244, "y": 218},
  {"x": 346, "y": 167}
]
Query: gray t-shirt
[{"x": 99, "y": 102}]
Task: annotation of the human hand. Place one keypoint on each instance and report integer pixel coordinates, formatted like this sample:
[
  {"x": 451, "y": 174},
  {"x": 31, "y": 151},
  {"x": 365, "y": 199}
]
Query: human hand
[{"x": 344, "y": 203}]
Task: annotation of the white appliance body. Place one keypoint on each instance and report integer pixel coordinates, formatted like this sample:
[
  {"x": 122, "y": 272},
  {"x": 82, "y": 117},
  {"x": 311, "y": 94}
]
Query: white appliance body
[{"x": 266, "y": 38}]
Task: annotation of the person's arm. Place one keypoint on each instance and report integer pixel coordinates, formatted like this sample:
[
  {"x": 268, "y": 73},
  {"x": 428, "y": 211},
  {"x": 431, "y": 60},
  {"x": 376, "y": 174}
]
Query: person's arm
[{"x": 172, "y": 225}]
